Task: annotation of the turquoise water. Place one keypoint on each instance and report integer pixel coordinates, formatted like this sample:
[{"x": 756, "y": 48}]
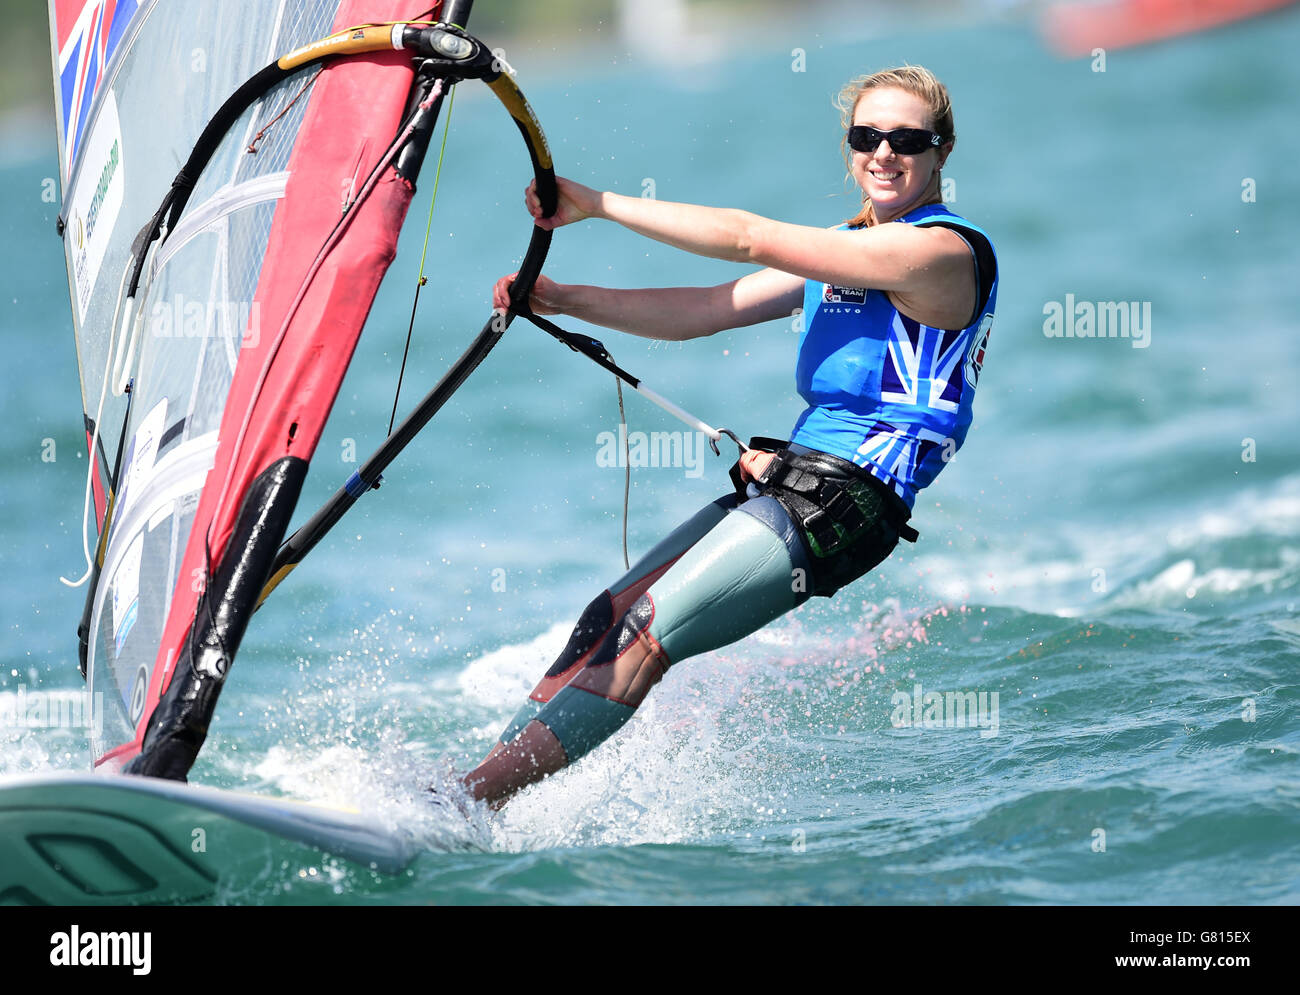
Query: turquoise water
[{"x": 1115, "y": 553}]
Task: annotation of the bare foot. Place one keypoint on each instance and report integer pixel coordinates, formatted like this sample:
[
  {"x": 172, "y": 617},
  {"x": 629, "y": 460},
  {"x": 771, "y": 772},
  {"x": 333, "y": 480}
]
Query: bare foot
[{"x": 534, "y": 754}]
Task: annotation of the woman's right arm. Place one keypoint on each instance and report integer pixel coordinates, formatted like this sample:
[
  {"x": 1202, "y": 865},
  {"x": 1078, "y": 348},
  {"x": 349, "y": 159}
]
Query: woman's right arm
[{"x": 669, "y": 313}]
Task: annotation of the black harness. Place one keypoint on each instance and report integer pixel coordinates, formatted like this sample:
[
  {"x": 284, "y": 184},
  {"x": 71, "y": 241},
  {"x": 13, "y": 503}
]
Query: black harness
[{"x": 849, "y": 519}]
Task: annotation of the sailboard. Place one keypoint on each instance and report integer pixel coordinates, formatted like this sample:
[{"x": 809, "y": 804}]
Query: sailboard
[{"x": 91, "y": 839}]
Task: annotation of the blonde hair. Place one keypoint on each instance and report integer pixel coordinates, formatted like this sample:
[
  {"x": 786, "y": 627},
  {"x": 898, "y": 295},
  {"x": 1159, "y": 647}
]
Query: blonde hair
[{"x": 916, "y": 80}]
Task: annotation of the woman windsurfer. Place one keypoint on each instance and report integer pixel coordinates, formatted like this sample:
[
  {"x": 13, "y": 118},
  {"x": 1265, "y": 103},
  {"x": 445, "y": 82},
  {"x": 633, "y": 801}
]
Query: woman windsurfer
[{"x": 897, "y": 305}]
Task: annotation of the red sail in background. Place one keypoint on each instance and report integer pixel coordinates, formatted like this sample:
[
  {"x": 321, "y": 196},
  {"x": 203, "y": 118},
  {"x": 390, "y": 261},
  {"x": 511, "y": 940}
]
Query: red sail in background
[{"x": 1076, "y": 29}]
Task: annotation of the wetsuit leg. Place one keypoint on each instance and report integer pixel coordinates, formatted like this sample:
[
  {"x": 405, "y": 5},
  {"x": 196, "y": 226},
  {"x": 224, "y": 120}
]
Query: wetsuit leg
[
  {"x": 610, "y": 605},
  {"x": 745, "y": 571},
  {"x": 739, "y": 577}
]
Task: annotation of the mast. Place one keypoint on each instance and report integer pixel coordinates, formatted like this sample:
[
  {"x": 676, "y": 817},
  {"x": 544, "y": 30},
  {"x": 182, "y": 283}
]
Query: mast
[{"x": 457, "y": 12}]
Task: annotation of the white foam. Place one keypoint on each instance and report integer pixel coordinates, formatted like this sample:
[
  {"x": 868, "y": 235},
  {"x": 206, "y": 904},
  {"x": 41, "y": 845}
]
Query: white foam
[
  {"x": 1075, "y": 568},
  {"x": 389, "y": 783},
  {"x": 1251, "y": 513},
  {"x": 1182, "y": 581},
  {"x": 504, "y": 677},
  {"x": 665, "y": 777}
]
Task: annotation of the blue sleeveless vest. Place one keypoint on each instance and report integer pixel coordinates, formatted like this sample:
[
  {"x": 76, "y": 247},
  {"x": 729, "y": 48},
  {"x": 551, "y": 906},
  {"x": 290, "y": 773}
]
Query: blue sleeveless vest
[{"x": 884, "y": 391}]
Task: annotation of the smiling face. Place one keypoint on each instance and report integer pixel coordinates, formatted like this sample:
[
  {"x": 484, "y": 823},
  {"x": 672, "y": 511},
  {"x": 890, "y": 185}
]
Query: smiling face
[{"x": 895, "y": 184}]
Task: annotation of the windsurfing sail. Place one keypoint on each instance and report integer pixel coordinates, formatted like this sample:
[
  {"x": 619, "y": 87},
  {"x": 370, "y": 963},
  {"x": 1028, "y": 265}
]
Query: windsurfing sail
[{"x": 213, "y": 332}]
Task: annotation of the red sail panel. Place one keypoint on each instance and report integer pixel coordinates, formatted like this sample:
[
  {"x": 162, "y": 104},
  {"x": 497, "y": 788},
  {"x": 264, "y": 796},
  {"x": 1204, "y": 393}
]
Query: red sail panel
[{"x": 281, "y": 397}]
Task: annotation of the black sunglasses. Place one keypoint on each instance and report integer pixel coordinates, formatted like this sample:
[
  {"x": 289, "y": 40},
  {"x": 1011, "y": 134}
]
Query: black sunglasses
[{"x": 904, "y": 141}]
